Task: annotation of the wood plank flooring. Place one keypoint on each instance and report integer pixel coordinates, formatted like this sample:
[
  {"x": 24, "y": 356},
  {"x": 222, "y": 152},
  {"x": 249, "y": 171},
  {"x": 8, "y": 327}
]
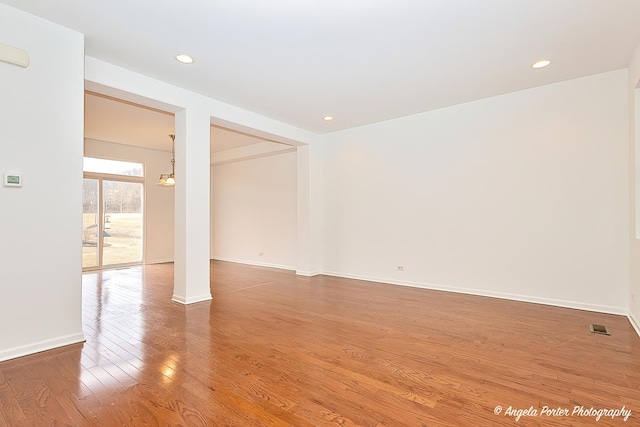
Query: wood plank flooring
[{"x": 273, "y": 349}]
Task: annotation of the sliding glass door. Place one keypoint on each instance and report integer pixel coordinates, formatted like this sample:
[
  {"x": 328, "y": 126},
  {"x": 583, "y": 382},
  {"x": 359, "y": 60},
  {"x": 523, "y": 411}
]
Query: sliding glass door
[
  {"x": 91, "y": 214},
  {"x": 112, "y": 214},
  {"x": 111, "y": 223},
  {"x": 122, "y": 223}
]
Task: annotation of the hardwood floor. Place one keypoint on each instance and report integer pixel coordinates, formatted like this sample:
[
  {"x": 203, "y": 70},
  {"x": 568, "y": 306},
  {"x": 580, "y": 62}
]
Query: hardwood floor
[{"x": 274, "y": 349}]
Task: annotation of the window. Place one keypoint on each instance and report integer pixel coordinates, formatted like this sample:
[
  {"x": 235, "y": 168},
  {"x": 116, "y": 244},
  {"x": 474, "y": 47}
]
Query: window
[{"x": 112, "y": 167}]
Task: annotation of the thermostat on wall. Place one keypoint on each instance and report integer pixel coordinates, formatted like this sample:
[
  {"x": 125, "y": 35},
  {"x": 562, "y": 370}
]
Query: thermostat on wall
[{"x": 12, "y": 180}]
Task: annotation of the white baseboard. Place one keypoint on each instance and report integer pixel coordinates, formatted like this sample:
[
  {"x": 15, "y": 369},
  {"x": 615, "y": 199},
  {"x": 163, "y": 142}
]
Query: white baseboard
[
  {"x": 182, "y": 300},
  {"x": 159, "y": 261},
  {"x": 256, "y": 263},
  {"x": 634, "y": 322},
  {"x": 40, "y": 346},
  {"x": 514, "y": 297},
  {"x": 240, "y": 261},
  {"x": 307, "y": 273}
]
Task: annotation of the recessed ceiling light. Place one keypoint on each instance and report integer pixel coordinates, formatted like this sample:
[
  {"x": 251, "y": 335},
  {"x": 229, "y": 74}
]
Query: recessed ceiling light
[
  {"x": 541, "y": 64},
  {"x": 327, "y": 118},
  {"x": 184, "y": 58}
]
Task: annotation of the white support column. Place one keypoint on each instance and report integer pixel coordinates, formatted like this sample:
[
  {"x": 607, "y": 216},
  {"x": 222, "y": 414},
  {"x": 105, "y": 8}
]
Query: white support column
[
  {"x": 309, "y": 242},
  {"x": 191, "y": 268},
  {"x": 303, "y": 262}
]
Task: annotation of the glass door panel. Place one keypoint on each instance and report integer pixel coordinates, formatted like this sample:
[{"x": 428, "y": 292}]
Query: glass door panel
[
  {"x": 90, "y": 223},
  {"x": 122, "y": 222}
]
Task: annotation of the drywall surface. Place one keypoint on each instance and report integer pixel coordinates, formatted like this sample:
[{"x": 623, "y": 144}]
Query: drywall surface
[
  {"x": 42, "y": 108},
  {"x": 522, "y": 196},
  {"x": 254, "y": 211}
]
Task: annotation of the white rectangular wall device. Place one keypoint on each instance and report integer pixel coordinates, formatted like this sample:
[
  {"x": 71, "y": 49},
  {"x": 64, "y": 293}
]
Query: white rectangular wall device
[
  {"x": 12, "y": 180},
  {"x": 13, "y": 55}
]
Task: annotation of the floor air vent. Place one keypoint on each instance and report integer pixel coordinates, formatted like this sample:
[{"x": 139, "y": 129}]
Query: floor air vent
[{"x": 599, "y": 329}]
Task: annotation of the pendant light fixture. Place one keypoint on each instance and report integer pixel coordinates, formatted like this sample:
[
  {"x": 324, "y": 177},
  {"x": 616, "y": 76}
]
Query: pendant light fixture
[{"x": 169, "y": 179}]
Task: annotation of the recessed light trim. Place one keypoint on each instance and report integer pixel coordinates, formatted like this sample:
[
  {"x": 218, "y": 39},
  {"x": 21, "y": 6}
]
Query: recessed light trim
[
  {"x": 184, "y": 58},
  {"x": 327, "y": 118},
  {"x": 541, "y": 64}
]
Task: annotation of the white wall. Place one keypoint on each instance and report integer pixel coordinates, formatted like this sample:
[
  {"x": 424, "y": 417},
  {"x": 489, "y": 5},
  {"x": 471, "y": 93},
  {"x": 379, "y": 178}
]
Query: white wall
[
  {"x": 158, "y": 200},
  {"x": 634, "y": 190},
  {"x": 254, "y": 210},
  {"x": 522, "y": 196},
  {"x": 40, "y": 231}
]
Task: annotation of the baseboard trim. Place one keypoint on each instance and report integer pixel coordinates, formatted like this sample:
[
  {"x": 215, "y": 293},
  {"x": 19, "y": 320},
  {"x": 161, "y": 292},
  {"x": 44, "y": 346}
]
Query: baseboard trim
[
  {"x": 159, "y": 261},
  {"x": 513, "y": 297},
  {"x": 192, "y": 300},
  {"x": 41, "y": 346},
  {"x": 256, "y": 263},
  {"x": 307, "y": 273},
  {"x": 634, "y": 322}
]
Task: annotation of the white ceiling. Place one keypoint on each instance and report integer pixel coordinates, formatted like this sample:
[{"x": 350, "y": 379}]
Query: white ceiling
[
  {"x": 361, "y": 61},
  {"x": 121, "y": 122}
]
